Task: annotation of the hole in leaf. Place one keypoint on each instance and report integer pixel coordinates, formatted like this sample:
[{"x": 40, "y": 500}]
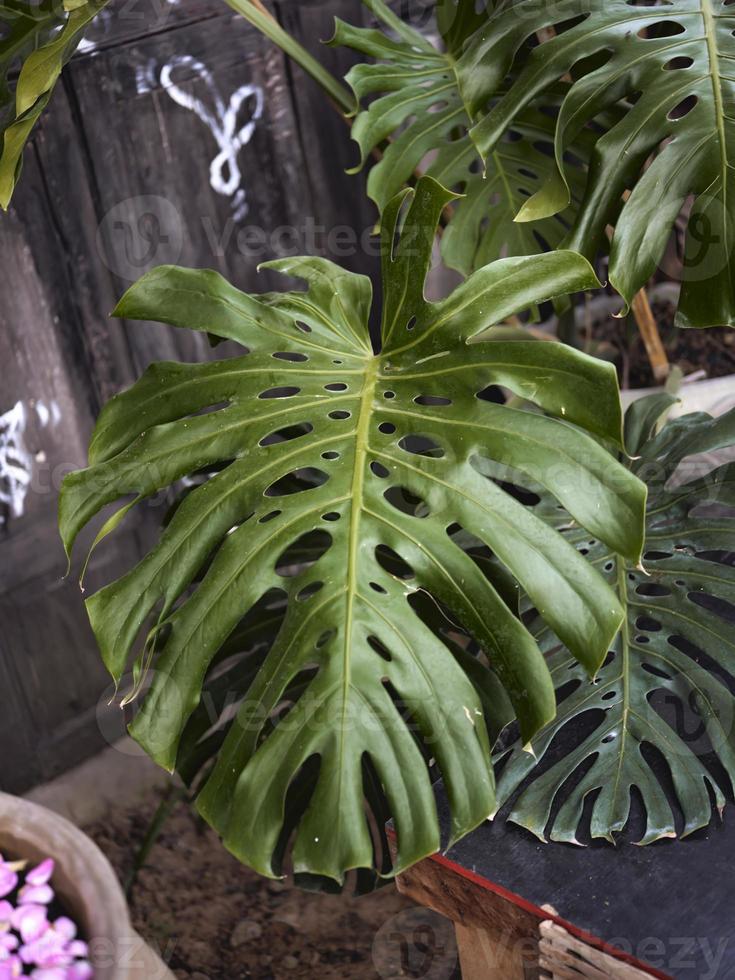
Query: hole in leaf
[
  {"x": 325, "y": 637},
  {"x": 269, "y": 517},
  {"x": 664, "y": 28},
  {"x": 432, "y": 400},
  {"x": 391, "y": 562},
  {"x": 303, "y": 327},
  {"x": 338, "y": 416},
  {"x": 285, "y": 355},
  {"x": 282, "y": 392},
  {"x": 335, "y": 386},
  {"x": 287, "y": 434},
  {"x": 381, "y": 650},
  {"x": 296, "y": 482},
  {"x": 725, "y": 610},
  {"x": 303, "y": 553},
  {"x": 379, "y": 470},
  {"x": 389, "y": 394},
  {"x": 680, "y": 62},
  {"x": 647, "y": 624},
  {"x": 308, "y": 591},
  {"x": 331, "y": 516},
  {"x": 330, "y": 454},
  {"x": 387, "y": 428},
  {"x": 406, "y": 502},
  {"x": 653, "y": 589},
  {"x": 683, "y": 108},
  {"x": 378, "y": 588},
  {"x": 421, "y": 446}
]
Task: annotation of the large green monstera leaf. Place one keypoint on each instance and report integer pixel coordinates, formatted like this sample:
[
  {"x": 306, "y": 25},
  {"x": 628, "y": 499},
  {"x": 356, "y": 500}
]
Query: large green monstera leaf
[
  {"x": 673, "y": 62},
  {"x": 43, "y": 36},
  {"x": 662, "y": 707},
  {"x": 421, "y": 110},
  {"x": 369, "y": 466}
]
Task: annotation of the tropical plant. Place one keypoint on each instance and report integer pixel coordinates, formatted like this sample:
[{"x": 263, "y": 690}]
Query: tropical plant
[
  {"x": 661, "y": 708},
  {"x": 372, "y": 568},
  {"x": 672, "y": 62},
  {"x": 44, "y": 36},
  {"x": 422, "y": 112},
  {"x": 374, "y": 459}
]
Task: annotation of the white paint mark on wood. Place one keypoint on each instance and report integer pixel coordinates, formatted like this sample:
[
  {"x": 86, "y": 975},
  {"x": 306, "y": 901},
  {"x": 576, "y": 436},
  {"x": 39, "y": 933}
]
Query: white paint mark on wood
[
  {"x": 16, "y": 460},
  {"x": 232, "y": 124},
  {"x": 16, "y": 463}
]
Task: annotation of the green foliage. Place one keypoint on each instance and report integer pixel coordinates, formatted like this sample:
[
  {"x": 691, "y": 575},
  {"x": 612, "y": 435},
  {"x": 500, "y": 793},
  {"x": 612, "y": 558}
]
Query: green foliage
[
  {"x": 421, "y": 108},
  {"x": 344, "y": 491},
  {"x": 662, "y": 706},
  {"x": 43, "y": 36},
  {"x": 673, "y": 62}
]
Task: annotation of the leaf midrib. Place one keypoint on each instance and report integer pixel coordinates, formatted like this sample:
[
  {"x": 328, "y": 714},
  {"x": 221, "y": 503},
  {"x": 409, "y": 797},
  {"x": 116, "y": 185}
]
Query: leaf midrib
[
  {"x": 714, "y": 58},
  {"x": 365, "y": 414}
]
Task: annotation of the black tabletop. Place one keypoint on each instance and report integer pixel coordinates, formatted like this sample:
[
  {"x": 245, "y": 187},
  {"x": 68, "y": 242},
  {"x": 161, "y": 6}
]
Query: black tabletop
[{"x": 670, "y": 904}]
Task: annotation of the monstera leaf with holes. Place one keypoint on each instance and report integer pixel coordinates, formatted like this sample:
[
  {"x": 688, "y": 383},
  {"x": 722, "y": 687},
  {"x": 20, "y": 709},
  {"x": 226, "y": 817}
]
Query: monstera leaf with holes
[
  {"x": 673, "y": 62},
  {"x": 421, "y": 104},
  {"x": 43, "y": 36},
  {"x": 662, "y": 707},
  {"x": 369, "y": 463}
]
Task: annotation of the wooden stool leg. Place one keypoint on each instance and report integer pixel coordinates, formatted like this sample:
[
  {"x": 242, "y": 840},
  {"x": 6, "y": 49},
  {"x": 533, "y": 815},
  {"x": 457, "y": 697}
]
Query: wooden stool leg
[{"x": 486, "y": 957}]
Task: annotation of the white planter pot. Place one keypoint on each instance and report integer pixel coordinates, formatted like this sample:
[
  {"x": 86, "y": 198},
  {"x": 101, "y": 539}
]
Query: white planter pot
[
  {"x": 86, "y": 886},
  {"x": 712, "y": 395}
]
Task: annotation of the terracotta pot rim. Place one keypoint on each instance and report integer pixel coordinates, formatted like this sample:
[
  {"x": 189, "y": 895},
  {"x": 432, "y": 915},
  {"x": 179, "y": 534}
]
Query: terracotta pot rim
[{"x": 84, "y": 880}]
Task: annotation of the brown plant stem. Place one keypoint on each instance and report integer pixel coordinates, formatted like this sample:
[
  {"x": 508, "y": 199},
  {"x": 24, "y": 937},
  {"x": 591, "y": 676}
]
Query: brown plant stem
[{"x": 651, "y": 338}]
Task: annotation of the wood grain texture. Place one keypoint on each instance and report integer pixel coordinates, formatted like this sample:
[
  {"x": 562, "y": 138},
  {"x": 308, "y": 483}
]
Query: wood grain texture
[{"x": 118, "y": 178}]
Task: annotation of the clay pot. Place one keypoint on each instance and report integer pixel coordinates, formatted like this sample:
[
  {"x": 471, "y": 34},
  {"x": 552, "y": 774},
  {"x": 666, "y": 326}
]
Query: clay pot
[{"x": 86, "y": 886}]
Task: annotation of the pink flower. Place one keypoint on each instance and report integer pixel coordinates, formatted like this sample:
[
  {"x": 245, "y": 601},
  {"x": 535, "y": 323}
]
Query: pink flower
[
  {"x": 29, "y": 943},
  {"x": 8, "y": 880},
  {"x": 36, "y": 895},
  {"x": 65, "y": 928},
  {"x": 30, "y": 921},
  {"x": 8, "y": 943},
  {"x": 41, "y": 874},
  {"x": 10, "y": 969},
  {"x": 80, "y": 971},
  {"x": 6, "y": 914}
]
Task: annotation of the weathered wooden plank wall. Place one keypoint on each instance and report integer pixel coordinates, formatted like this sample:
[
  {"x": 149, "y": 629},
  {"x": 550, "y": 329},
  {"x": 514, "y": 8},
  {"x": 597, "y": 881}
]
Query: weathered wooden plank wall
[{"x": 177, "y": 130}]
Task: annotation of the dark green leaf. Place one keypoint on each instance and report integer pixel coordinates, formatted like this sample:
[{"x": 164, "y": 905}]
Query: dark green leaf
[
  {"x": 43, "y": 36},
  {"x": 421, "y": 109},
  {"x": 674, "y": 62},
  {"x": 662, "y": 708},
  {"x": 376, "y": 460}
]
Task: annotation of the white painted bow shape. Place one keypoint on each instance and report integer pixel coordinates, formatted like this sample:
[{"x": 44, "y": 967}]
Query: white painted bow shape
[{"x": 222, "y": 122}]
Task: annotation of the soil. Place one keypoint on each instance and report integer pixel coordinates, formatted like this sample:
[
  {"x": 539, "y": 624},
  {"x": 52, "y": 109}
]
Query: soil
[
  {"x": 210, "y": 918},
  {"x": 711, "y": 351}
]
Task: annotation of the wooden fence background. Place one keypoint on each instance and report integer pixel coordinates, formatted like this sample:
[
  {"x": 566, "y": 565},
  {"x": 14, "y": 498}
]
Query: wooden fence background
[{"x": 176, "y": 133}]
